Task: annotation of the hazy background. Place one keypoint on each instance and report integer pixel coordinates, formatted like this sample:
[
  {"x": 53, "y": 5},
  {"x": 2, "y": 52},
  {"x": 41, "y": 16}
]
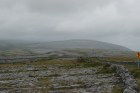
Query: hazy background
[{"x": 113, "y": 21}]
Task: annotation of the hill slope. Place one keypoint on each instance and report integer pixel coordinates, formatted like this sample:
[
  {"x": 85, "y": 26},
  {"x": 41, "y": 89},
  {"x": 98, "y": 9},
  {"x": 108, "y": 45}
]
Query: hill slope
[
  {"x": 9, "y": 47},
  {"x": 84, "y": 44}
]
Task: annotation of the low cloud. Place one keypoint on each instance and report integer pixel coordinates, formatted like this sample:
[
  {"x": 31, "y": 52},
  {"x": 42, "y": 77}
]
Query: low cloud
[{"x": 113, "y": 21}]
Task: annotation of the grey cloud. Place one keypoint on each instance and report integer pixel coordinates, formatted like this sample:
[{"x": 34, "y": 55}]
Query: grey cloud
[
  {"x": 64, "y": 6},
  {"x": 114, "y": 21}
]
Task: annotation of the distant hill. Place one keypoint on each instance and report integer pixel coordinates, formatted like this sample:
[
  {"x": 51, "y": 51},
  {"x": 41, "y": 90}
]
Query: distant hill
[
  {"x": 84, "y": 44},
  {"x": 10, "y": 47}
]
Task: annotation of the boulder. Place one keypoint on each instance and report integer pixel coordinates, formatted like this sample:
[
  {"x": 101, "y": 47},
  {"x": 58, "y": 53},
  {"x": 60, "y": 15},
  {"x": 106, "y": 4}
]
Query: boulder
[{"x": 129, "y": 91}]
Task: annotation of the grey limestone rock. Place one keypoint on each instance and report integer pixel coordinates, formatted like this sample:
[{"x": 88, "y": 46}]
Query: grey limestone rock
[
  {"x": 91, "y": 90},
  {"x": 129, "y": 91},
  {"x": 52, "y": 92},
  {"x": 128, "y": 79},
  {"x": 88, "y": 85}
]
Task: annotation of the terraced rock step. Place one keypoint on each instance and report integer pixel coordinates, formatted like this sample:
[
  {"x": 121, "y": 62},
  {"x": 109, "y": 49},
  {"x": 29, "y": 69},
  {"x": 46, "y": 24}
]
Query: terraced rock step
[{"x": 57, "y": 78}]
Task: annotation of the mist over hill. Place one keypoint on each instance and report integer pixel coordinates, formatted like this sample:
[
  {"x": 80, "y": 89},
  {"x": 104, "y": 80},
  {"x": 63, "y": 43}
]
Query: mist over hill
[
  {"x": 83, "y": 44},
  {"x": 13, "y": 47},
  {"x": 28, "y": 48}
]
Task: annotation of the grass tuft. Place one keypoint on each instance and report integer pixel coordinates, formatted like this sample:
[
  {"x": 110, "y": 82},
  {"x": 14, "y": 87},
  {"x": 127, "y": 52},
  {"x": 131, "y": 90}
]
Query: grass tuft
[
  {"x": 107, "y": 69},
  {"x": 121, "y": 58}
]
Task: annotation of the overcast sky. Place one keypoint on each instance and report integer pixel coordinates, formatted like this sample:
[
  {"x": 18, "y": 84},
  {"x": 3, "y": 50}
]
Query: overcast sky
[{"x": 113, "y": 21}]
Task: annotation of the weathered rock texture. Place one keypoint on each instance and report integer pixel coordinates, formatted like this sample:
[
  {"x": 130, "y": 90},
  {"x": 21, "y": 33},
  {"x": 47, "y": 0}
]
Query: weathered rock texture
[
  {"x": 123, "y": 62},
  {"x": 130, "y": 85},
  {"x": 56, "y": 78}
]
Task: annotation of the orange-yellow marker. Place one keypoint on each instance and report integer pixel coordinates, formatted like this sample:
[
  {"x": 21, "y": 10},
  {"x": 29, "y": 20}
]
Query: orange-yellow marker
[{"x": 138, "y": 56}]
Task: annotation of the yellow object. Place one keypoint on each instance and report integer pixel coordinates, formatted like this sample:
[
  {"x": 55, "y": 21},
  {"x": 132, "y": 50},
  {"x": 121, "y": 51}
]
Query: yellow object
[{"x": 138, "y": 55}]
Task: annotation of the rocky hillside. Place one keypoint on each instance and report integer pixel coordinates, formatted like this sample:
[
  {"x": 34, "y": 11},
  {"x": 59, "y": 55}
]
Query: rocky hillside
[
  {"x": 23, "y": 48},
  {"x": 83, "y": 44}
]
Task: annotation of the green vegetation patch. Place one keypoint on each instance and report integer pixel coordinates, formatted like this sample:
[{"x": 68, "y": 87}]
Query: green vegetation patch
[
  {"x": 85, "y": 65},
  {"x": 54, "y": 75},
  {"x": 13, "y": 50},
  {"x": 1, "y": 72},
  {"x": 96, "y": 59},
  {"x": 81, "y": 59},
  {"x": 121, "y": 58},
  {"x": 79, "y": 74},
  {"x": 117, "y": 89},
  {"x": 107, "y": 69},
  {"x": 75, "y": 51},
  {"x": 44, "y": 81},
  {"x": 136, "y": 73},
  {"x": 92, "y": 64}
]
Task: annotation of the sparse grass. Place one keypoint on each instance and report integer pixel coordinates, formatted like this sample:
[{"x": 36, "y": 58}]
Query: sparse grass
[
  {"x": 44, "y": 81},
  {"x": 95, "y": 59},
  {"x": 8, "y": 79},
  {"x": 68, "y": 64},
  {"x": 106, "y": 69},
  {"x": 5, "y": 85},
  {"x": 136, "y": 73},
  {"x": 97, "y": 64},
  {"x": 138, "y": 83},
  {"x": 32, "y": 75},
  {"x": 52, "y": 88},
  {"x": 83, "y": 65},
  {"x": 44, "y": 90},
  {"x": 79, "y": 74},
  {"x": 117, "y": 89},
  {"x": 53, "y": 57},
  {"x": 52, "y": 62},
  {"x": 6, "y": 72},
  {"x": 79, "y": 82},
  {"x": 75, "y": 51},
  {"x": 72, "y": 66},
  {"x": 117, "y": 75},
  {"x": 43, "y": 59},
  {"x": 81, "y": 59},
  {"x": 63, "y": 84},
  {"x": 121, "y": 58},
  {"x": 40, "y": 63},
  {"x": 53, "y": 75}
]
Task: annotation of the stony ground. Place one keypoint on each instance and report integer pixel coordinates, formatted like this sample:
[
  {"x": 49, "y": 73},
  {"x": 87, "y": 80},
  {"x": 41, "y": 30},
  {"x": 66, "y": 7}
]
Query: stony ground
[
  {"x": 57, "y": 78},
  {"x": 73, "y": 53}
]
